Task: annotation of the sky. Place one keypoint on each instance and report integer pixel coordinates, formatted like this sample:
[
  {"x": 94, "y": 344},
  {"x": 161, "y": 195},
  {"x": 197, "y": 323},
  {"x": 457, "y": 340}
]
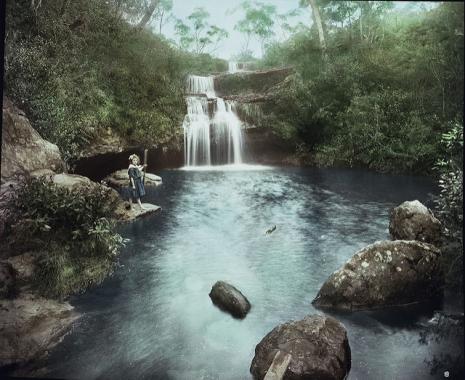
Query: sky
[{"x": 221, "y": 15}]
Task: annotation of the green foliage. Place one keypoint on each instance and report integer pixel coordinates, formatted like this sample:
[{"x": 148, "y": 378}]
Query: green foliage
[
  {"x": 198, "y": 35},
  {"x": 449, "y": 203},
  {"x": 77, "y": 69},
  {"x": 382, "y": 100},
  {"x": 72, "y": 230},
  {"x": 258, "y": 21}
]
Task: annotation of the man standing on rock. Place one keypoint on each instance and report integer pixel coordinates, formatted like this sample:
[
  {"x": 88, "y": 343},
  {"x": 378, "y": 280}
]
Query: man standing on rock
[{"x": 135, "y": 179}]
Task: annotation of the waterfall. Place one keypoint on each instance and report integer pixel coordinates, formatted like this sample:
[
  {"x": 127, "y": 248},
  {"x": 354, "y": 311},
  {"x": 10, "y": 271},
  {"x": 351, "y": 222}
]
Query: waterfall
[
  {"x": 218, "y": 136},
  {"x": 232, "y": 67},
  {"x": 200, "y": 85},
  {"x": 196, "y": 126}
]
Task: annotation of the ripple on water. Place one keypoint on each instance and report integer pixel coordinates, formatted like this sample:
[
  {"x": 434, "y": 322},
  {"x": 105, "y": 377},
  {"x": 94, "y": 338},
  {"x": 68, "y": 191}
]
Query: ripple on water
[{"x": 154, "y": 318}]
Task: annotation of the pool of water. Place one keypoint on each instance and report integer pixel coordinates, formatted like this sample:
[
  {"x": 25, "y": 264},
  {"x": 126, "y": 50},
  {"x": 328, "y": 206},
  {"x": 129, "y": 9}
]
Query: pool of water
[{"x": 153, "y": 319}]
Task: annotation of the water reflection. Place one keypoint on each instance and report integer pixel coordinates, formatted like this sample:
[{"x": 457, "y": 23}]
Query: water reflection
[{"x": 153, "y": 319}]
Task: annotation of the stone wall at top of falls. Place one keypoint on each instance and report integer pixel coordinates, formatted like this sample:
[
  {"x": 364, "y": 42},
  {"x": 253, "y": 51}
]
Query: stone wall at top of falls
[{"x": 249, "y": 82}]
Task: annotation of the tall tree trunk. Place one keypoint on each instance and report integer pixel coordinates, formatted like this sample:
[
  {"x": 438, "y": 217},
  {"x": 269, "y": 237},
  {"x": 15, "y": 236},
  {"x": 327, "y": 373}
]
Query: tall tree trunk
[
  {"x": 148, "y": 14},
  {"x": 361, "y": 25},
  {"x": 319, "y": 25},
  {"x": 161, "y": 20}
]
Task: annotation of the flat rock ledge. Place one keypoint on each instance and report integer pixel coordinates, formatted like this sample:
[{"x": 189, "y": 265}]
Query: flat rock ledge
[
  {"x": 129, "y": 214},
  {"x": 120, "y": 179},
  {"x": 230, "y": 299},
  {"x": 30, "y": 326},
  {"x": 383, "y": 274},
  {"x": 414, "y": 221},
  {"x": 317, "y": 345}
]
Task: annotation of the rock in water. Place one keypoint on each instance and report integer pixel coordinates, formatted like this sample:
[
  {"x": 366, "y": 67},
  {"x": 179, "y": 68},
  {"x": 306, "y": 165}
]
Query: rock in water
[
  {"x": 230, "y": 299},
  {"x": 414, "y": 221},
  {"x": 386, "y": 273},
  {"x": 318, "y": 346}
]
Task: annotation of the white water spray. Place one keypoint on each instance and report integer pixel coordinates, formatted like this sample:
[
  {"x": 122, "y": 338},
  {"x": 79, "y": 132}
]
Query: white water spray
[{"x": 203, "y": 135}]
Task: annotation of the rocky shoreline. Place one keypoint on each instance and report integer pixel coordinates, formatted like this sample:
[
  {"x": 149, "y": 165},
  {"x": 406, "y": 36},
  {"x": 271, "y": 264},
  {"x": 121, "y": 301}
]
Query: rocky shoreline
[{"x": 30, "y": 324}]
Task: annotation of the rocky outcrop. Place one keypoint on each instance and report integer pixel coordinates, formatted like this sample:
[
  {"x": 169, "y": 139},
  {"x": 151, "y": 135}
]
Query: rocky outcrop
[
  {"x": 23, "y": 266},
  {"x": 414, "y": 221},
  {"x": 318, "y": 346},
  {"x": 249, "y": 81},
  {"x": 105, "y": 141},
  {"x": 23, "y": 149},
  {"x": 120, "y": 178},
  {"x": 7, "y": 280},
  {"x": 386, "y": 273},
  {"x": 30, "y": 326},
  {"x": 230, "y": 299}
]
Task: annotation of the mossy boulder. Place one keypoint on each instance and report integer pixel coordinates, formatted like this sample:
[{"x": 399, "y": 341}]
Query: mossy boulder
[
  {"x": 386, "y": 273},
  {"x": 414, "y": 221}
]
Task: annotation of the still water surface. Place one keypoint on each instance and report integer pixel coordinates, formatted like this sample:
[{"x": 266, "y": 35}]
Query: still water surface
[{"x": 153, "y": 319}]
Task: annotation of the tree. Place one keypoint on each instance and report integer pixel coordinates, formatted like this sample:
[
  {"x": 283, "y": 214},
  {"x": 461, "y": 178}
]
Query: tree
[
  {"x": 319, "y": 24},
  {"x": 258, "y": 21},
  {"x": 199, "y": 34},
  {"x": 148, "y": 14},
  {"x": 163, "y": 13}
]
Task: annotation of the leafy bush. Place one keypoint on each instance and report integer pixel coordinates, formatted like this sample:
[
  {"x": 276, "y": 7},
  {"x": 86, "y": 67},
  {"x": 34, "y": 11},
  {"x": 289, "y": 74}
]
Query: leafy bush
[
  {"x": 382, "y": 99},
  {"x": 72, "y": 230},
  {"x": 449, "y": 203},
  {"x": 77, "y": 69}
]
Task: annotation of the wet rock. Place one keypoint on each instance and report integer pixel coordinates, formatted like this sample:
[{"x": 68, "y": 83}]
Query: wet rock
[
  {"x": 386, "y": 273},
  {"x": 30, "y": 326},
  {"x": 229, "y": 299},
  {"x": 120, "y": 178},
  {"x": 134, "y": 211},
  {"x": 7, "y": 280},
  {"x": 318, "y": 346},
  {"x": 23, "y": 149},
  {"x": 414, "y": 221}
]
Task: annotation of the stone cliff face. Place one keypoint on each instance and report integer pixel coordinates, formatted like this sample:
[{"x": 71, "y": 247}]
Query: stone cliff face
[
  {"x": 249, "y": 82},
  {"x": 23, "y": 149},
  {"x": 252, "y": 93}
]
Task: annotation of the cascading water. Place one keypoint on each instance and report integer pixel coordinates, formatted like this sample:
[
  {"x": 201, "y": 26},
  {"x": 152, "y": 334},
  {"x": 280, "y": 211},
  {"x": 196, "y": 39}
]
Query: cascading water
[
  {"x": 203, "y": 134},
  {"x": 232, "y": 67}
]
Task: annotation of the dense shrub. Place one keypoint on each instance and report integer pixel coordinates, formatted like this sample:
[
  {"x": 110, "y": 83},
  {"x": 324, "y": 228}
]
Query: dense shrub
[
  {"x": 449, "y": 203},
  {"x": 72, "y": 230},
  {"x": 78, "y": 68},
  {"x": 380, "y": 101}
]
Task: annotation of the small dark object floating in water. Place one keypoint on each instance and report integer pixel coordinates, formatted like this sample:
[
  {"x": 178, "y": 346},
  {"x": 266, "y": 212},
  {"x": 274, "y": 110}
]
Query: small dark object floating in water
[{"x": 270, "y": 230}]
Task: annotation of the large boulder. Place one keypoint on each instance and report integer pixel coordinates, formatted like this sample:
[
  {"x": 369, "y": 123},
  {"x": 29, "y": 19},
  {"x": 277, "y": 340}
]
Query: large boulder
[
  {"x": 414, "y": 221},
  {"x": 23, "y": 149},
  {"x": 230, "y": 299},
  {"x": 30, "y": 326},
  {"x": 120, "y": 178},
  {"x": 386, "y": 273},
  {"x": 318, "y": 346}
]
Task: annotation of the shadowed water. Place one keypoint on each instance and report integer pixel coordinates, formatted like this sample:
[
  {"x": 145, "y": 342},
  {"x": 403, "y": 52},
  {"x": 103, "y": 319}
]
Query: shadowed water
[{"x": 154, "y": 319}]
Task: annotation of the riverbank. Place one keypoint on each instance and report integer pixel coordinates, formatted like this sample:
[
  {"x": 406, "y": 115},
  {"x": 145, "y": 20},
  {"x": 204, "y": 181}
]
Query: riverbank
[{"x": 57, "y": 239}]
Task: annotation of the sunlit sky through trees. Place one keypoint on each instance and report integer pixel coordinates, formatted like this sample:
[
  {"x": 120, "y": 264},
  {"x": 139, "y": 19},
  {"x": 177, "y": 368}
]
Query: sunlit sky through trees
[{"x": 226, "y": 14}]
